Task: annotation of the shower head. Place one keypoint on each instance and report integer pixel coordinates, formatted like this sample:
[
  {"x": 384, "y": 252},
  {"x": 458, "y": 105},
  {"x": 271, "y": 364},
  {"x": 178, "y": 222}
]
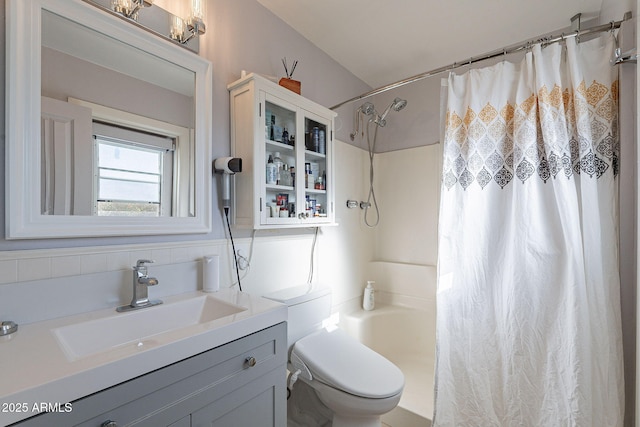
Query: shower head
[
  {"x": 379, "y": 119},
  {"x": 396, "y": 105},
  {"x": 367, "y": 109}
]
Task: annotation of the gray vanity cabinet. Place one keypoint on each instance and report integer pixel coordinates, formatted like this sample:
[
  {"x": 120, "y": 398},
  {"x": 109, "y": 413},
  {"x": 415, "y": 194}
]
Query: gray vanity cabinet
[{"x": 242, "y": 383}]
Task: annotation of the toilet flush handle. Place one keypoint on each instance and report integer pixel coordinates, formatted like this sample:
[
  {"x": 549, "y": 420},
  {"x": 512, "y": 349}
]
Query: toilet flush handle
[{"x": 293, "y": 378}]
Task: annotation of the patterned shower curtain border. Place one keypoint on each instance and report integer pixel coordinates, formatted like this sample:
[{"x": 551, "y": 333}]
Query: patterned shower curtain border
[{"x": 479, "y": 147}]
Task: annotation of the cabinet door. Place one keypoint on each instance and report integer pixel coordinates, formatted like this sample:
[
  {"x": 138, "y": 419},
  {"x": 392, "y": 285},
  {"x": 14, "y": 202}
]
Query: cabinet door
[
  {"x": 279, "y": 204},
  {"x": 251, "y": 405},
  {"x": 316, "y": 184}
]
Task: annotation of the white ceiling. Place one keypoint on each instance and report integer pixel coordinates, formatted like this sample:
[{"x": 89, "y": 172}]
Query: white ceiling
[{"x": 383, "y": 41}]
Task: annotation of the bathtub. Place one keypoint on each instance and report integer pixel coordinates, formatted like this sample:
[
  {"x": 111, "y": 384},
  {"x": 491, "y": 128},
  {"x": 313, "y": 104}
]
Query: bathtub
[{"x": 405, "y": 336}]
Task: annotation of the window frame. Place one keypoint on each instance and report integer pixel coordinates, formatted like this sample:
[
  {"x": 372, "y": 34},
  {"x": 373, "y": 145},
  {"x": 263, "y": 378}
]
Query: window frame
[
  {"x": 183, "y": 185},
  {"x": 165, "y": 173}
]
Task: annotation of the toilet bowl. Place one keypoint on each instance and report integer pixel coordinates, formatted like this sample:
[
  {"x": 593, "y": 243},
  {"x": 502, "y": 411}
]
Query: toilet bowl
[{"x": 354, "y": 382}]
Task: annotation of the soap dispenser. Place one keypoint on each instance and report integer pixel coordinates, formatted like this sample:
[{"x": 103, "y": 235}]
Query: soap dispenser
[{"x": 369, "y": 302}]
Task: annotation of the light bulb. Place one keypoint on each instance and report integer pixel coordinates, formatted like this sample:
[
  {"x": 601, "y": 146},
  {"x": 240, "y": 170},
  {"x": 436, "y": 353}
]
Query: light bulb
[
  {"x": 177, "y": 28},
  {"x": 198, "y": 9}
]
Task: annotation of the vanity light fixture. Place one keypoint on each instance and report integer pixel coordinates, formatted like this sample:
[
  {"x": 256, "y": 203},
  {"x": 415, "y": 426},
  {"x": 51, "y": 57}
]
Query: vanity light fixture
[
  {"x": 130, "y": 8},
  {"x": 184, "y": 30}
]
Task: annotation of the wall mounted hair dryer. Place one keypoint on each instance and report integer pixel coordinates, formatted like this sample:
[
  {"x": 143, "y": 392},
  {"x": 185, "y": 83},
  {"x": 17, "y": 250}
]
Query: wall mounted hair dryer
[{"x": 227, "y": 166}]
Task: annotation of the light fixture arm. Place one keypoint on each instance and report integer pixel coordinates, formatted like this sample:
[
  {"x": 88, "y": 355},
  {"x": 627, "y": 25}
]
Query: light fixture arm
[{"x": 130, "y": 8}]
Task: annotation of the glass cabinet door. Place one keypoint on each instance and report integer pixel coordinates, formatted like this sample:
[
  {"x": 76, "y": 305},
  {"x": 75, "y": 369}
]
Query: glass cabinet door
[
  {"x": 315, "y": 177},
  {"x": 280, "y": 162}
]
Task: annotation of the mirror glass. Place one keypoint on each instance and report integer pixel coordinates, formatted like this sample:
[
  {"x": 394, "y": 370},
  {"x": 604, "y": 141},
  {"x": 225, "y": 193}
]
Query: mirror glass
[
  {"x": 128, "y": 149},
  {"x": 105, "y": 133}
]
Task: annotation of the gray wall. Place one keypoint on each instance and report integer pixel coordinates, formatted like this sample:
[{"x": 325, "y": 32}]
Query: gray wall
[
  {"x": 242, "y": 35},
  {"x": 68, "y": 76}
]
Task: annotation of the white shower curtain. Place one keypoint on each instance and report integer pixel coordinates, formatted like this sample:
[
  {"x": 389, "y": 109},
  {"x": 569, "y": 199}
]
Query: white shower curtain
[{"x": 528, "y": 322}]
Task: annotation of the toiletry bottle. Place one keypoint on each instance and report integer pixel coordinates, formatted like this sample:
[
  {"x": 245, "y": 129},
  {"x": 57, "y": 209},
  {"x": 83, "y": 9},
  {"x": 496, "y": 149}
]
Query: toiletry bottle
[
  {"x": 285, "y": 176},
  {"x": 278, "y": 162},
  {"x": 272, "y": 171},
  {"x": 322, "y": 147},
  {"x": 369, "y": 302},
  {"x": 315, "y": 139},
  {"x": 285, "y": 136},
  {"x": 273, "y": 125}
]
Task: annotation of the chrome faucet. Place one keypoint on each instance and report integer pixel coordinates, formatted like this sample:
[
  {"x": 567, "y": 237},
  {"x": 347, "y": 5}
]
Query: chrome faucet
[{"x": 141, "y": 282}]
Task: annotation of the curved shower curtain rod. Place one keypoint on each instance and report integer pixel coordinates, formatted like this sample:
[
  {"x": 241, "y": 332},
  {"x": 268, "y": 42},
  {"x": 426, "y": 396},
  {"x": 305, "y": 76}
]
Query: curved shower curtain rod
[{"x": 496, "y": 53}]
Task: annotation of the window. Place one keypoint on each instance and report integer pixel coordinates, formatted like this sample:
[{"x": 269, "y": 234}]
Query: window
[{"x": 133, "y": 171}]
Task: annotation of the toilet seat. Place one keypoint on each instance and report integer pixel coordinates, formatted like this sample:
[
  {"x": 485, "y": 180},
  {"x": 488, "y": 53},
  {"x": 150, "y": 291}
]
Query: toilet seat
[{"x": 341, "y": 362}]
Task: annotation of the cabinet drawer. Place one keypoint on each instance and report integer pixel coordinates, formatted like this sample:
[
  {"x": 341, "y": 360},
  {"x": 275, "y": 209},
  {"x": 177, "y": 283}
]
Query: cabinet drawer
[{"x": 167, "y": 395}]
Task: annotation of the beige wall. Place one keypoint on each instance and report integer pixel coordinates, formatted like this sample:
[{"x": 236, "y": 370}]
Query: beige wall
[{"x": 407, "y": 183}]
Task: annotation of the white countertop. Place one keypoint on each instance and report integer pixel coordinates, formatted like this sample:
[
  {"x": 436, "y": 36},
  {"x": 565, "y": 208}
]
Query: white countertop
[{"x": 37, "y": 370}]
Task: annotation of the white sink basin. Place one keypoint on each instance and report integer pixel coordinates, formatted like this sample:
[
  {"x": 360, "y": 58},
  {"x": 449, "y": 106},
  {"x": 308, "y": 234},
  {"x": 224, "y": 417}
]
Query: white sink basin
[{"x": 135, "y": 327}]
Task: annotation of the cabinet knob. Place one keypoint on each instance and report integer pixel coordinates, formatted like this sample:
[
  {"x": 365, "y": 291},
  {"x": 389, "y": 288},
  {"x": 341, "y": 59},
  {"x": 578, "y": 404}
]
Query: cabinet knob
[
  {"x": 109, "y": 423},
  {"x": 250, "y": 361}
]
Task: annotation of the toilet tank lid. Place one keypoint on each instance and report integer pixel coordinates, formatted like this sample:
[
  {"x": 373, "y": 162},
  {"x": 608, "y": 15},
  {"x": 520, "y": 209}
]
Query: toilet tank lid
[{"x": 298, "y": 294}]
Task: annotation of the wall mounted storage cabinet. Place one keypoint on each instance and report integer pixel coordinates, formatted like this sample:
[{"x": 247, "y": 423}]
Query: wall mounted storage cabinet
[{"x": 286, "y": 144}]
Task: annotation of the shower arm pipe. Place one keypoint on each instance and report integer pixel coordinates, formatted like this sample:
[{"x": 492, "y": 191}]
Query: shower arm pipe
[{"x": 493, "y": 54}]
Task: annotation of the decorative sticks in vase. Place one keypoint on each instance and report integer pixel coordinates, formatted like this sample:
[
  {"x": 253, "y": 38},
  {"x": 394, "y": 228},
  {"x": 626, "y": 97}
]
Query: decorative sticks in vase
[{"x": 288, "y": 82}]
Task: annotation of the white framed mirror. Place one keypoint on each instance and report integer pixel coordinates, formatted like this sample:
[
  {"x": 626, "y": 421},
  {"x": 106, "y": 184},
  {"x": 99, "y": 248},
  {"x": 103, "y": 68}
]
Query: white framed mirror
[{"x": 108, "y": 127}]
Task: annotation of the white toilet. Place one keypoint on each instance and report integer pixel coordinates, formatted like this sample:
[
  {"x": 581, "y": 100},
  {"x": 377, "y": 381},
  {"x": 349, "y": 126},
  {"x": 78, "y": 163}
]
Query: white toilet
[{"x": 354, "y": 382}]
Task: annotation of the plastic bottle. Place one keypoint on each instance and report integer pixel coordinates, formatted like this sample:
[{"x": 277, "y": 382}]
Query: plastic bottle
[
  {"x": 322, "y": 143},
  {"x": 271, "y": 128},
  {"x": 285, "y": 136},
  {"x": 285, "y": 176},
  {"x": 278, "y": 162},
  {"x": 315, "y": 139},
  {"x": 369, "y": 301},
  {"x": 272, "y": 171}
]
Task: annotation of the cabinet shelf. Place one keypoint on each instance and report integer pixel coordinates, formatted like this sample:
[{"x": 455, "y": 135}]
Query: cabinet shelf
[
  {"x": 314, "y": 191},
  {"x": 277, "y": 187},
  {"x": 275, "y": 145},
  {"x": 313, "y": 154}
]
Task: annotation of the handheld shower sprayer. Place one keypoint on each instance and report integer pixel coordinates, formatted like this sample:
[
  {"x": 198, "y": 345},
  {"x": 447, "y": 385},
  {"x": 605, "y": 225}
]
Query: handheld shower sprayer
[
  {"x": 379, "y": 120},
  {"x": 396, "y": 105}
]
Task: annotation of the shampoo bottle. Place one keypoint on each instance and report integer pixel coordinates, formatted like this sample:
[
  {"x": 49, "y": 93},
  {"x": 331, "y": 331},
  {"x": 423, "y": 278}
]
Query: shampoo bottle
[
  {"x": 272, "y": 171},
  {"x": 369, "y": 302}
]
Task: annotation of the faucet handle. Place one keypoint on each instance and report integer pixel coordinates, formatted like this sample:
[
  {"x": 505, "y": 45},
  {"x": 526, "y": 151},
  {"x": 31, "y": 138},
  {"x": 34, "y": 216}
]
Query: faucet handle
[{"x": 142, "y": 262}]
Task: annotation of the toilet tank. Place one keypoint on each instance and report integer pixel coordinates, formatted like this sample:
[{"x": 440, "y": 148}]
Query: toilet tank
[{"x": 307, "y": 308}]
